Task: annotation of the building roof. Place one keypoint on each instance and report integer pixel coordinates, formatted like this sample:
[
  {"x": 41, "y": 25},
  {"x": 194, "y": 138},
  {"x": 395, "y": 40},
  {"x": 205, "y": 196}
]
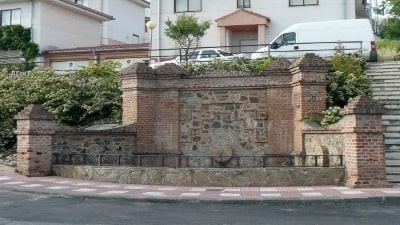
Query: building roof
[
  {"x": 143, "y": 3},
  {"x": 101, "y": 48},
  {"x": 102, "y": 15},
  {"x": 243, "y": 16}
]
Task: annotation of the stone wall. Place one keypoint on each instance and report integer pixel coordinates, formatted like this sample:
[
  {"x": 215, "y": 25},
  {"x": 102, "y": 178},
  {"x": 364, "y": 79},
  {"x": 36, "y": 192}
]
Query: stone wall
[
  {"x": 260, "y": 177},
  {"x": 221, "y": 114},
  {"x": 113, "y": 139}
]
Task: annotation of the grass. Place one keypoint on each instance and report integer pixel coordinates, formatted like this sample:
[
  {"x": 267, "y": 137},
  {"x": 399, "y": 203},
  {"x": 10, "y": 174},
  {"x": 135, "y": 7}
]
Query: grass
[{"x": 388, "y": 50}]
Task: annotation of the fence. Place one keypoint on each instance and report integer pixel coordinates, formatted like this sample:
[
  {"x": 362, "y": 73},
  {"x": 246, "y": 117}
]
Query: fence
[{"x": 179, "y": 161}]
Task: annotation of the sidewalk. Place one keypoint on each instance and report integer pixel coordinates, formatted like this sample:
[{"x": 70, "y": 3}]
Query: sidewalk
[{"x": 83, "y": 188}]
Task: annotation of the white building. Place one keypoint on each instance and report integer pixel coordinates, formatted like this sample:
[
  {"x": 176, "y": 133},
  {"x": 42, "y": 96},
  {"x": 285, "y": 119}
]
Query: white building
[
  {"x": 129, "y": 24},
  {"x": 58, "y": 24},
  {"x": 244, "y": 22}
]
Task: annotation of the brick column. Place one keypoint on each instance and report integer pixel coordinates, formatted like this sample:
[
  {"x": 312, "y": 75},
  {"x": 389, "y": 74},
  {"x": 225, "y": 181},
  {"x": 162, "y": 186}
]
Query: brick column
[
  {"x": 364, "y": 143},
  {"x": 34, "y": 137},
  {"x": 308, "y": 93},
  {"x": 152, "y": 104}
]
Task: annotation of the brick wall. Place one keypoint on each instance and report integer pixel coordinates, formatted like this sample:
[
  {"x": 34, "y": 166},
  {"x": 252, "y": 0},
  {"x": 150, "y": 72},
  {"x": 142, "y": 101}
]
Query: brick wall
[
  {"x": 253, "y": 114},
  {"x": 166, "y": 111}
]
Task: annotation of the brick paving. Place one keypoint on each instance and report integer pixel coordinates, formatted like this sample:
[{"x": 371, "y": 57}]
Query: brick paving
[{"x": 67, "y": 186}]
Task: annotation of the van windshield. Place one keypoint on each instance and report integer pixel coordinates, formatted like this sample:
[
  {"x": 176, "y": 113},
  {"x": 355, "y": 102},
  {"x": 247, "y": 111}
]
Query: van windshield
[{"x": 285, "y": 39}]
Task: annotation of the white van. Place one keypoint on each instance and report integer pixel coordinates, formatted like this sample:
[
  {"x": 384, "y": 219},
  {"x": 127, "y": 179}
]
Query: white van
[{"x": 321, "y": 38}]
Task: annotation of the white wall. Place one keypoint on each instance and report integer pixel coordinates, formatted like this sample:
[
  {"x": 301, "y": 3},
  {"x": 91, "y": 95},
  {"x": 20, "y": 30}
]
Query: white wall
[
  {"x": 129, "y": 19},
  {"x": 57, "y": 28},
  {"x": 278, "y": 11}
]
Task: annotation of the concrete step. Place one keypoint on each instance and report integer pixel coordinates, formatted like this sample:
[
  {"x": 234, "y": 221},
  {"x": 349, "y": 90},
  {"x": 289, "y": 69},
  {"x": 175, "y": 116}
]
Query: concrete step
[
  {"x": 392, "y": 107},
  {"x": 383, "y": 75},
  {"x": 390, "y": 123},
  {"x": 390, "y": 129},
  {"x": 392, "y": 168},
  {"x": 392, "y": 112},
  {"x": 393, "y": 156},
  {"x": 391, "y": 117},
  {"x": 393, "y": 178},
  {"x": 389, "y": 141},
  {"x": 392, "y": 148},
  {"x": 385, "y": 91},
  {"x": 388, "y": 101},
  {"x": 378, "y": 95},
  {"x": 392, "y": 135},
  {"x": 380, "y": 65}
]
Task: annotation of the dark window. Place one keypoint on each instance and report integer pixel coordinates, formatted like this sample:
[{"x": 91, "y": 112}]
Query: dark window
[
  {"x": 187, "y": 5},
  {"x": 302, "y": 2},
  {"x": 10, "y": 17},
  {"x": 243, "y": 3}
]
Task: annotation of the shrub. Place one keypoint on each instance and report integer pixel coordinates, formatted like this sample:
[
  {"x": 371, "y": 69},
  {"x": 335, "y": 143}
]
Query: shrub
[{"x": 90, "y": 94}]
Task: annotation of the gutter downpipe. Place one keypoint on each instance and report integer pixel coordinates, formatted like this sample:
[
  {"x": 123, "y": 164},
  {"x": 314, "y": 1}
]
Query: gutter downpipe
[
  {"x": 159, "y": 30},
  {"x": 102, "y": 24}
]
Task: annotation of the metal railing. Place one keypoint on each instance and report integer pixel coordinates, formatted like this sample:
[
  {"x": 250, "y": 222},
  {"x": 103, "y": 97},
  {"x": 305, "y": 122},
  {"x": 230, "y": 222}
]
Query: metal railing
[{"x": 180, "y": 161}]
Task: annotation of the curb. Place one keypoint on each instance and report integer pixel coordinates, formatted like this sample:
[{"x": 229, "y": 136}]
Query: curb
[{"x": 382, "y": 200}]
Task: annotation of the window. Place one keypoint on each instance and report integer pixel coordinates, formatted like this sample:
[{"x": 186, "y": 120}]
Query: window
[
  {"x": 10, "y": 17},
  {"x": 208, "y": 54},
  {"x": 302, "y": 2},
  {"x": 284, "y": 39},
  {"x": 243, "y": 3},
  {"x": 187, "y": 5}
]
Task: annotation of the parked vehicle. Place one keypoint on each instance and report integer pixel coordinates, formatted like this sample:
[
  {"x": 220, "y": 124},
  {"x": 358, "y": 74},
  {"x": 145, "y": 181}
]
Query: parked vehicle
[
  {"x": 321, "y": 38},
  {"x": 201, "y": 56}
]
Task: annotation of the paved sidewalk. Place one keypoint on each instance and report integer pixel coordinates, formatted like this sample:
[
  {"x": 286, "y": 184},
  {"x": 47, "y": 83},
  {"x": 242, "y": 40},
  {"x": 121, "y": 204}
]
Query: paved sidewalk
[{"x": 84, "y": 188}]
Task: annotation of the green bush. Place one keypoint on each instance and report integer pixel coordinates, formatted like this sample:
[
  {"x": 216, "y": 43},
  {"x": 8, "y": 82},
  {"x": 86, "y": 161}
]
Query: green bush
[
  {"x": 347, "y": 79},
  {"x": 238, "y": 64},
  {"x": 81, "y": 98}
]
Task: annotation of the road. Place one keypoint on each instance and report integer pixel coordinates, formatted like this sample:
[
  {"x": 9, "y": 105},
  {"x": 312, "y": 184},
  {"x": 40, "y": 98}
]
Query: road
[{"x": 22, "y": 208}]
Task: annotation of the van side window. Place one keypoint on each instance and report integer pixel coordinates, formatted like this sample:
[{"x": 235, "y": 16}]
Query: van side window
[
  {"x": 284, "y": 39},
  {"x": 289, "y": 38}
]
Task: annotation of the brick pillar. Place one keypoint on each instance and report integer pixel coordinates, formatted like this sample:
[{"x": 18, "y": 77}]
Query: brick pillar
[
  {"x": 34, "y": 137},
  {"x": 151, "y": 101},
  {"x": 308, "y": 93},
  {"x": 279, "y": 110},
  {"x": 364, "y": 143}
]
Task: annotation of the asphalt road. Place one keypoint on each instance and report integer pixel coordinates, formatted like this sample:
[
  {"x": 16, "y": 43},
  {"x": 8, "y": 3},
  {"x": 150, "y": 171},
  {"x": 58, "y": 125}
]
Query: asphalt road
[{"x": 22, "y": 208}]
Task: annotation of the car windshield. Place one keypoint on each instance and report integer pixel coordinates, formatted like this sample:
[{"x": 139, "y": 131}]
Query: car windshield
[{"x": 224, "y": 53}]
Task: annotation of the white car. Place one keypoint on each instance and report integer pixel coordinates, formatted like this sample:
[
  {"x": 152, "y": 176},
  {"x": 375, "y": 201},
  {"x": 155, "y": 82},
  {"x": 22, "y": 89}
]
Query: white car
[{"x": 201, "y": 55}]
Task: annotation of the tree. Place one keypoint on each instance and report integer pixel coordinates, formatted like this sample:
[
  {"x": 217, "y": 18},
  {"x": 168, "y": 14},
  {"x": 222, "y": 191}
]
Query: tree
[
  {"x": 16, "y": 37},
  {"x": 390, "y": 27},
  {"x": 187, "y": 31}
]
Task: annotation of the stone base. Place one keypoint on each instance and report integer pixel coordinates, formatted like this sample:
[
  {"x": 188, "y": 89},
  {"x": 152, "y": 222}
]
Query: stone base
[{"x": 245, "y": 177}]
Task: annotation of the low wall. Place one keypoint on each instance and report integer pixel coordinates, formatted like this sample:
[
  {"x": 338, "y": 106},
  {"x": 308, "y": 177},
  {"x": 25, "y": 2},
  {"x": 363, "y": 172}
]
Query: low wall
[{"x": 244, "y": 177}]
